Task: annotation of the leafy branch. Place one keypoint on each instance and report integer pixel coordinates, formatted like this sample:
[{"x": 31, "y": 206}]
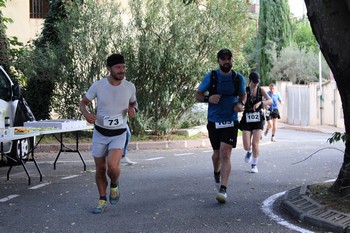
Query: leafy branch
[{"x": 337, "y": 136}]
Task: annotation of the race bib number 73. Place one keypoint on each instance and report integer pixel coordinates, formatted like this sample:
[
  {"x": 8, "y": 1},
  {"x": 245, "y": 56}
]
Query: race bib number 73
[
  {"x": 224, "y": 124},
  {"x": 113, "y": 121}
]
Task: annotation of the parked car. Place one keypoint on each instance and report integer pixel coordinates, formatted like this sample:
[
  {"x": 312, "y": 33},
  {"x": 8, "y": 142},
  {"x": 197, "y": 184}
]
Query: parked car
[{"x": 10, "y": 97}]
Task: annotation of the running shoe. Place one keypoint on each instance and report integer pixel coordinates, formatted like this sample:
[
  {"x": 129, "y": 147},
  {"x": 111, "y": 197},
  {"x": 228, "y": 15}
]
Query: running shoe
[
  {"x": 221, "y": 196},
  {"x": 114, "y": 195},
  {"x": 254, "y": 169},
  {"x": 101, "y": 206},
  {"x": 273, "y": 139},
  {"x": 248, "y": 157},
  {"x": 125, "y": 160}
]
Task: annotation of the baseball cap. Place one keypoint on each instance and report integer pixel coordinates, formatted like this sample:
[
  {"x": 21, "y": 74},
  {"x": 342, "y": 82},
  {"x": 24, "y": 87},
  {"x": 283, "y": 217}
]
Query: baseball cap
[
  {"x": 224, "y": 52},
  {"x": 254, "y": 77}
]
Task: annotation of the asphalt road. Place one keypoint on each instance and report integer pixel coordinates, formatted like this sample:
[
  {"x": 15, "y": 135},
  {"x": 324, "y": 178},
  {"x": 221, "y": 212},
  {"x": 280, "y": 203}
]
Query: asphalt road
[{"x": 170, "y": 190}]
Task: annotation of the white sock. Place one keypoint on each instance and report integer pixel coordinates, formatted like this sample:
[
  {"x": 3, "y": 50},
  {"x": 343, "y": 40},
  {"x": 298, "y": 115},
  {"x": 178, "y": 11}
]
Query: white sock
[{"x": 254, "y": 161}]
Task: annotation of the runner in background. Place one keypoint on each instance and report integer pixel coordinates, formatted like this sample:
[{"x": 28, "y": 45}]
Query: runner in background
[{"x": 273, "y": 111}]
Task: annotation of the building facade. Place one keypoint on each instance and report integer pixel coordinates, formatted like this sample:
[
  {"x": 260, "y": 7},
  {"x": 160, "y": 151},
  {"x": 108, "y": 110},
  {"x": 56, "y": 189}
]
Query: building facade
[{"x": 28, "y": 17}]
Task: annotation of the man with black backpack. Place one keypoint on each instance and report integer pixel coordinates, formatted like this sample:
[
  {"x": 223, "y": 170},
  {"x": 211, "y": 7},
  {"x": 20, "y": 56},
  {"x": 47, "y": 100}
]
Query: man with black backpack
[{"x": 226, "y": 97}]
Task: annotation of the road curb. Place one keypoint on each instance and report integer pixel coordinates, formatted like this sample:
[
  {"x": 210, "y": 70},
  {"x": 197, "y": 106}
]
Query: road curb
[
  {"x": 147, "y": 145},
  {"x": 298, "y": 202}
]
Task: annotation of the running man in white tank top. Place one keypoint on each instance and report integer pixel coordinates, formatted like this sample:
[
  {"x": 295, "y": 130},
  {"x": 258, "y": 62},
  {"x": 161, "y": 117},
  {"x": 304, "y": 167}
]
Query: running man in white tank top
[{"x": 116, "y": 98}]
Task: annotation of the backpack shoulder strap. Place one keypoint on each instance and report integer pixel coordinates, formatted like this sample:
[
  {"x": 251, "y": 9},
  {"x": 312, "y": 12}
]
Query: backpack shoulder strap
[
  {"x": 236, "y": 83},
  {"x": 213, "y": 83},
  {"x": 247, "y": 89},
  {"x": 259, "y": 93}
]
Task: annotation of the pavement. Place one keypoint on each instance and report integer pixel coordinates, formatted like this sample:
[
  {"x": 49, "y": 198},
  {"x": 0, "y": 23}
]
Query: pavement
[
  {"x": 296, "y": 201},
  {"x": 300, "y": 204}
]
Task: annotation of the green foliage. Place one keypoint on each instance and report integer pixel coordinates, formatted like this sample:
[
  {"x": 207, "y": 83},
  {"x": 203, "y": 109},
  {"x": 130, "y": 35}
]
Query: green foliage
[
  {"x": 10, "y": 47},
  {"x": 337, "y": 136},
  {"x": 49, "y": 34},
  {"x": 173, "y": 47},
  {"x": 274, "y": 28},
  {"x": 43, "y": 71},
  {"x": 188, "y": 2},
  {"x": 85, "y": 44},
  {"x": 296, "y": 65},
  {"x": 4, "y": 44},
  {"x": 168, "y": 47},
  {"x": 250, "y": 47},
  {"x": 299, "y": 62},
  {"x": 303, "y": 37},
  {"x": 36, "y": 65}
]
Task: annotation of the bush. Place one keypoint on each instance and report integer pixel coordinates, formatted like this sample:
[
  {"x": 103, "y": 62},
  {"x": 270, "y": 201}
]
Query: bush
[{"x": 296, "y": 65}]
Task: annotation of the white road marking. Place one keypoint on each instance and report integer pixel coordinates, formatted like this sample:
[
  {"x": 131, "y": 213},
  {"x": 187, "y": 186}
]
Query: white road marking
[
  {"x": 156, "y": 158},
  {"x": 8, "y": 198},
  {"x": 331, "y": 180},
  {"x": 183, "y": 154},
  {"x": 266, "y": 208},
  {"x": 39, "y": 185},
  {"x": 69, "y": 177}
]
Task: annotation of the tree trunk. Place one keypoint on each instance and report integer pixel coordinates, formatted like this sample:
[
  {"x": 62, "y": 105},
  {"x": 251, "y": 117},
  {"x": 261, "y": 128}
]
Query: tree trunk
[{"x": 329, "y": 20}]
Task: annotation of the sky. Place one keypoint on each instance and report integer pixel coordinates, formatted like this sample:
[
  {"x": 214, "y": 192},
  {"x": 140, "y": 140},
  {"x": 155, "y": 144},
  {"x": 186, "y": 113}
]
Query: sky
[{"x": 297, "y": 7}]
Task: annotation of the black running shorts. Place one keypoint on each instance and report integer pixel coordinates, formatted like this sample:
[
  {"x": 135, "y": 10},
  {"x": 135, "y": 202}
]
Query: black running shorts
[{"x": 226, "y": 135}]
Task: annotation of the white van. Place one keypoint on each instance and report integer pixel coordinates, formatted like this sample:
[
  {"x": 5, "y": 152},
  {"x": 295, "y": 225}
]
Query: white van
[{"x": 9, "y": 96}]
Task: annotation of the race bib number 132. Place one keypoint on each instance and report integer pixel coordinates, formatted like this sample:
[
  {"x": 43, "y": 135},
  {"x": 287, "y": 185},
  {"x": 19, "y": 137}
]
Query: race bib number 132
[{"x": 224, "y": 124}]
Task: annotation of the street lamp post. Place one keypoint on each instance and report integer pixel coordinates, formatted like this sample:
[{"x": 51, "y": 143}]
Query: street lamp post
[{"x": 320, "y": 80}]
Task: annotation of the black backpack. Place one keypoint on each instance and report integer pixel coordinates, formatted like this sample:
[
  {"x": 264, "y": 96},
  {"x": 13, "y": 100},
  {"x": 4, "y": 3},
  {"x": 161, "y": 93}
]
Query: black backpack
[
  {"x": 214, "y": 80},
  {"x": 259, "y": 92},
  {"x": 259, "y": 96}
]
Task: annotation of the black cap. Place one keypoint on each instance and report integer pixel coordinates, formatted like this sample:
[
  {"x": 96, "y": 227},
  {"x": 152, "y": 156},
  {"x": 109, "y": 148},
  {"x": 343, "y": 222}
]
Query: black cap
[
  {"x": 115, "y": 59},
  {"x": 254, "y": 77},
  {"x": 224, "y": 52}
]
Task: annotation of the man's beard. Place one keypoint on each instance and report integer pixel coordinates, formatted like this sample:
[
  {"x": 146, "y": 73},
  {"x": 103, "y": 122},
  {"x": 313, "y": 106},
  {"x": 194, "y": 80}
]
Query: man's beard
[
  {"x": 117, "y": 77},
  {"x": 225, "y": 68}
]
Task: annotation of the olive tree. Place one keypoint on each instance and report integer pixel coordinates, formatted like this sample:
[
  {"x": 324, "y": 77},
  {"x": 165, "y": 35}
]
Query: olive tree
[
  {"x": 171, "y": 48},
  {"x": 168, "y": 48},
  {"x": 297, "y": 65}
]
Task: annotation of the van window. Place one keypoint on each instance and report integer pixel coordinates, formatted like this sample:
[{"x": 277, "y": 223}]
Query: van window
[{"x": 5, "y": 87}]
